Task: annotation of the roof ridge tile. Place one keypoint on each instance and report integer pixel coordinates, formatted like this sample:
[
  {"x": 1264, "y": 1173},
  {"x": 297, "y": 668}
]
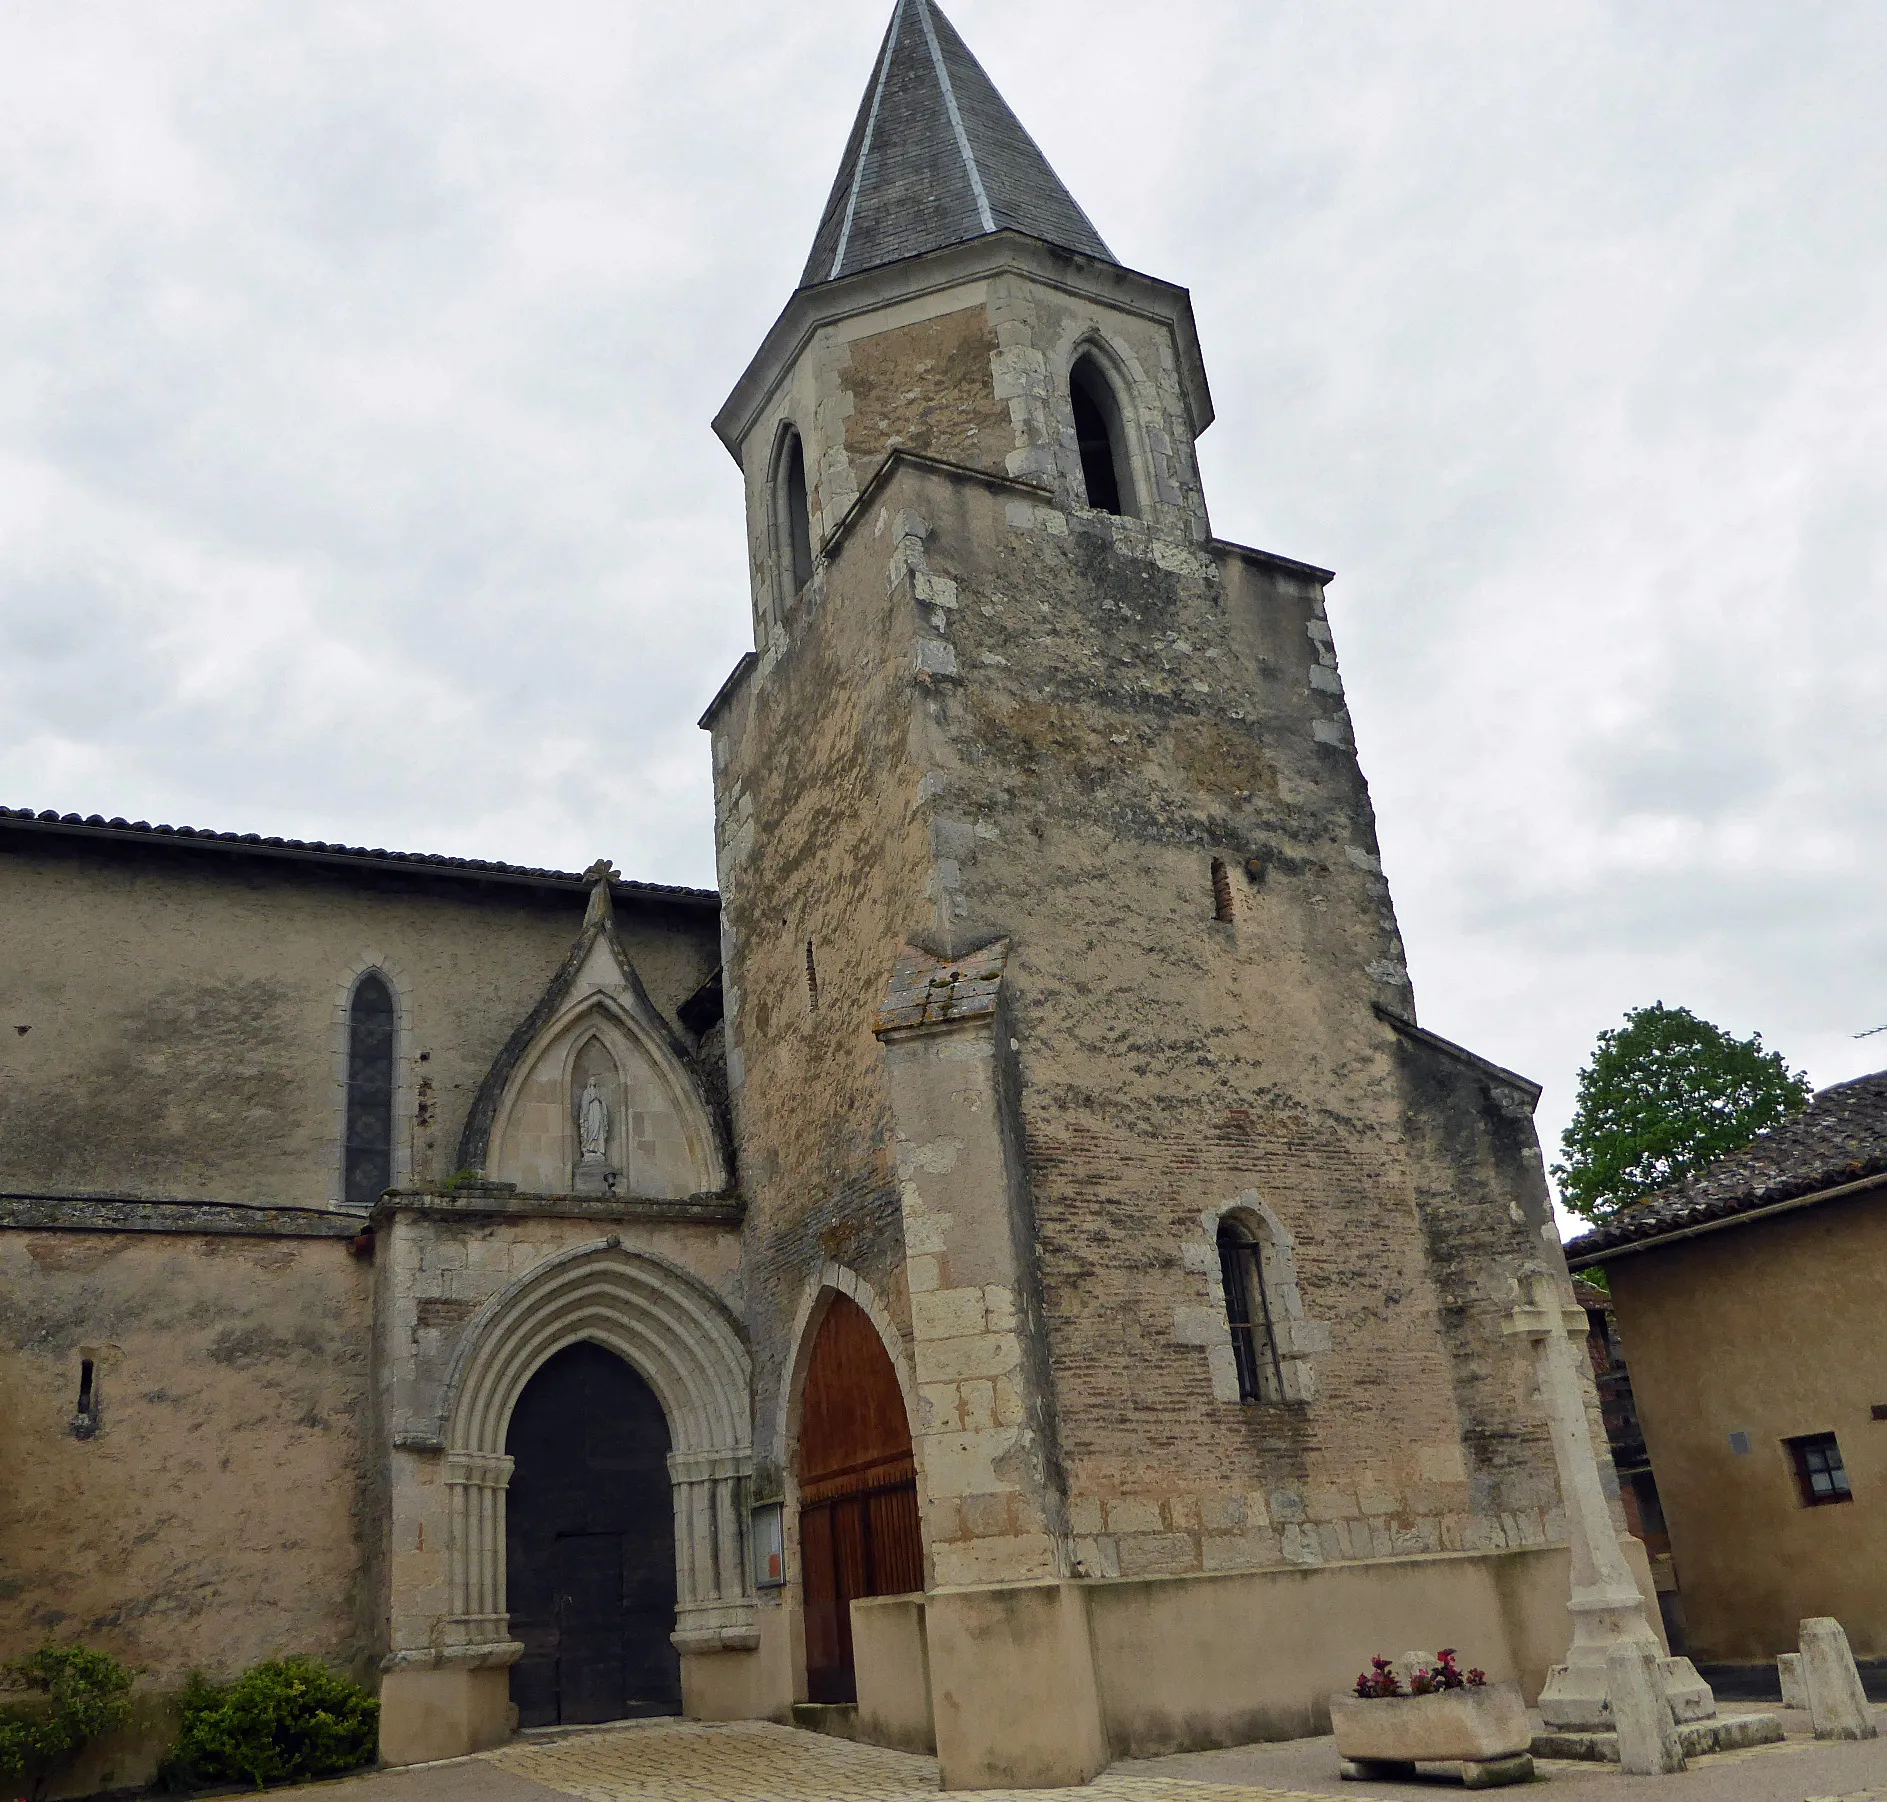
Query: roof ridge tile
[{"x": 117, "y": 827}]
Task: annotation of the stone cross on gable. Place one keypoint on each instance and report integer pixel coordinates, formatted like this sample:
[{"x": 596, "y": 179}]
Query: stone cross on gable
[{"x": 599, "y": 876}]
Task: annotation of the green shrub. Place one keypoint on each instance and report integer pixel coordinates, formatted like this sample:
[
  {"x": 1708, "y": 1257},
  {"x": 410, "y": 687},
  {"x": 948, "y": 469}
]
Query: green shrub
[
  {"x": 283, "y": 1722},
  {"x": 78, "y": 1696}
]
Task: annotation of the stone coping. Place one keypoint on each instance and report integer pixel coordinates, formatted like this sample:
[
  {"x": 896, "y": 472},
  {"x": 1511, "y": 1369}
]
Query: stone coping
[
  {"x": 503, "y": 1201},
  {"x": 107, "y": 1213}
]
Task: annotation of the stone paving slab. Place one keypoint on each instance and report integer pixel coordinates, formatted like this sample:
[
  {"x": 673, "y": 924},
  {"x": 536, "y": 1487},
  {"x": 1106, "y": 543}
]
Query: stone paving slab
[
  {"x": 1798, "y": 1768},
  {"x": 757, "y": 1761}
]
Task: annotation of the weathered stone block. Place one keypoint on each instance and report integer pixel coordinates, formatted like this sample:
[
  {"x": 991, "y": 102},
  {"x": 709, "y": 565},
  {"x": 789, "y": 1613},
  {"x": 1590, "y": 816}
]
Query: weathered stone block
[
  {"x": 977, "y": 1355},
  {"x": 1134, "y": 1514},
  {"x": 1648, "y": 1744},
  {"x": 947, "y": 1313},
  {"x": 1157, "y": 1554},
  {"x": 1836, "y": 1701}
]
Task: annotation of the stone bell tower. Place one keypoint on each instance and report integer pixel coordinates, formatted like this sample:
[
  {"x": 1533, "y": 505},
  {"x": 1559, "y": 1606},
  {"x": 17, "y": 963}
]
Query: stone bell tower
[{"x": 1069, "y": 1028}]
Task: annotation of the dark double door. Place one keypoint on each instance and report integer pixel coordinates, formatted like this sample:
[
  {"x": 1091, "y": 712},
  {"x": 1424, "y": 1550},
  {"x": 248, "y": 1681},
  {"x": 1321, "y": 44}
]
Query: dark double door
[
  {"x": 858, "y": 1521},
  {"x": 590, "y": 1545}
]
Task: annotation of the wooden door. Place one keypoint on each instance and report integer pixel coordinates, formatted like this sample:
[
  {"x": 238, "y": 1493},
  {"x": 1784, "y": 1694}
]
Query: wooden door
[
  {"x": 590, "y": 1545},
  {"x": 592, "y": 1662},
  {"x": 858, "y": 1522}
]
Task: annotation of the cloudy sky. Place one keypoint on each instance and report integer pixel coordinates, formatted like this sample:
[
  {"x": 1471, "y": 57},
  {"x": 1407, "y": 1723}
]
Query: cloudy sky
[{"x": 356, "y": 363}]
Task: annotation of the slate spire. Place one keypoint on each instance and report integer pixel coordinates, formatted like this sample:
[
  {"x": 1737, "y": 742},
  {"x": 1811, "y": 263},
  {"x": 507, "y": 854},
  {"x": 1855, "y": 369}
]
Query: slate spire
[{"x": 936, "y": 157}]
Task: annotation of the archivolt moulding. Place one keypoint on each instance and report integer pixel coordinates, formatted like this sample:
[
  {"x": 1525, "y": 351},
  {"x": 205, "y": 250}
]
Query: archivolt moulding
[
  {"x": 679, "y": 1335},
  {"x": 828, "y": 1280}
]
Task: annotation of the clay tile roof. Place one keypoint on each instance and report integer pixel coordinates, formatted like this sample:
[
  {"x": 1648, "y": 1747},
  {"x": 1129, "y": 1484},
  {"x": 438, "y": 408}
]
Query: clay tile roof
[
  {"x": 95, "y": 826},
  {"x": 1840, "y": 1139},
  {"x": 930, "y": 991},
  {"x": 936, "y": 157}
]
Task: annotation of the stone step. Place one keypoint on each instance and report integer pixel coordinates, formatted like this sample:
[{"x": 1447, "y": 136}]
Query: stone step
[{"x": 1725, "y": 1733}]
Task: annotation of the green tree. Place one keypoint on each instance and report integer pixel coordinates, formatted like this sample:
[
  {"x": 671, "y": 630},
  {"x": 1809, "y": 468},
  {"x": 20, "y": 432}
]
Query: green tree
[
  {"x": 285, "y": 1721},
  {"x": 1664, "y": 1095},
  {"x": 75, "y": 1696}
]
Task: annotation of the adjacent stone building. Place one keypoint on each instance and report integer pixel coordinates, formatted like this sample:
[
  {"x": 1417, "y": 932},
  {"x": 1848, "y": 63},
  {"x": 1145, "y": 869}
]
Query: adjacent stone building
[
  {"x": 1749, "y": 1303},
  {"x": 1011, "y": 1263}
]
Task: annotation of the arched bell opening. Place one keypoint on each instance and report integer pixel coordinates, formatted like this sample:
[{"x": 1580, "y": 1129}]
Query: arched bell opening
[
  {"x": 858, "y": 1521},
  {"x": 792, "y": 516},
  {"x": 590, "y": 1544},
  {"x": 1101, "y": 439}
]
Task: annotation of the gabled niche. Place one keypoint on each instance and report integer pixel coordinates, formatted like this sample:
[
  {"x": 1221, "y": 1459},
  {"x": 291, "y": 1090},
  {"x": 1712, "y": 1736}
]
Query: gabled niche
[{"x": 599, "y": 1099}]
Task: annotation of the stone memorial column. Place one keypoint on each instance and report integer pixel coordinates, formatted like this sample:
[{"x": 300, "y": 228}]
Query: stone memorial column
[{"x": 1606, "y": 1606}]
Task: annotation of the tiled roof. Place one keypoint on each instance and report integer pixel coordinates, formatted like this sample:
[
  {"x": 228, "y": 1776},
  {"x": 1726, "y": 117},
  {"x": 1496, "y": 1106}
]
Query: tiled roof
[
  {"x": 94, "y": 826},
  {"x": 936, "y": 157},
  {"x": 1842, "y": 1138}
]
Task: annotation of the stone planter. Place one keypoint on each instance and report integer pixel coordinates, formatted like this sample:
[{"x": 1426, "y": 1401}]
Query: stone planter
[{"x": 1484, "y": 1730}]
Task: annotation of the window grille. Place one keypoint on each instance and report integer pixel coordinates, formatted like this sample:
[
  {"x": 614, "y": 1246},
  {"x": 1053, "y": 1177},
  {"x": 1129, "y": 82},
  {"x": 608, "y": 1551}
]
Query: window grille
[
  {"x": 367, "y": 1170},
  {"x": 1819, "y": 1472},
  {"x": 1248, "y": 1314}
]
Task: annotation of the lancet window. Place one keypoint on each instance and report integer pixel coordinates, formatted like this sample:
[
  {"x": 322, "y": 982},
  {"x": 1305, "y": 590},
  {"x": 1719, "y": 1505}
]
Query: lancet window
[
  {"x": 367, "y": 1167},
  {"x": 792, "y": 514},
  {"x": 1252, "y": 1312}
]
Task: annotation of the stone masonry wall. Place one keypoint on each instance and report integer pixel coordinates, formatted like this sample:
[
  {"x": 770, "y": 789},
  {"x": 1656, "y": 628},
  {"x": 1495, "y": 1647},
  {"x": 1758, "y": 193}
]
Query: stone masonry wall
[
  {"x": 216, "y": 1516},
  {"x": 1483, "y": 1204},
  {"x": 974, "y": 374},
  {"x": 186, "y": 1013},
  {"x": 821, "y": 844},
  {"x": 1112, "y": 710},
  {"x": 995, "y": 714}
]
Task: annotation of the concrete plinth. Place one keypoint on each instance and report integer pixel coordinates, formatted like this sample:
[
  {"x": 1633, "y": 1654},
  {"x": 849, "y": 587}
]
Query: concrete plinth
[
  {"x": 1836, "y": 1701},
  {"x": 1648, "y": 1745},
  {"x": 893, "y": 1667},
  {"x": 443, "y": 1713},
  {"x": 836, "y": 1720},
  {"x": 721, "y": 1686},
  {"x": 1789, "y": 1676},
  {"x": 1474, "y": 1773},
  {"x": 1013, "y": 1687},
  {"x": 1726, "y": 1733},
  {"x": 1577, "y": 1697}
]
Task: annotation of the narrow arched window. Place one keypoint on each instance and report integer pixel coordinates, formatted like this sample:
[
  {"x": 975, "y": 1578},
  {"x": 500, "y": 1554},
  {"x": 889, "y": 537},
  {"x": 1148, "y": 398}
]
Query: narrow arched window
[
  {"x": 1249, "y": 1313},
  {"x": 792, "y": 514},
  {"x": 367, "y": 1168},
  {"x": 1099, "y": 433}
]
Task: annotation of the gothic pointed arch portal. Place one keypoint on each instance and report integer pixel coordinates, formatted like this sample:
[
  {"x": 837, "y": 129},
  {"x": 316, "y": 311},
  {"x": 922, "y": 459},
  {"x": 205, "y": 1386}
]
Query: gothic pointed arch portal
[
  {"x": 858, "y": 1519},
  {"x": 680, "y": 1343}
]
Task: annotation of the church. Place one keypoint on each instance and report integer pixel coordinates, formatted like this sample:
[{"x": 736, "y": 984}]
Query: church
[{"x": 1007, "y": 1274}]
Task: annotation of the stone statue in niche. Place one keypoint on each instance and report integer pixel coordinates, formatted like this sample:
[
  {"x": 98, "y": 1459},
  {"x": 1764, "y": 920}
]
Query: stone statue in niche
[
  {"x": 593, "y": 1124},
  {"x": 593, "y": 1111}
]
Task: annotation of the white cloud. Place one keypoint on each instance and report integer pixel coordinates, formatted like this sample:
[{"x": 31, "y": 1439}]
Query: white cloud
[{"x": 355, "y": 478}]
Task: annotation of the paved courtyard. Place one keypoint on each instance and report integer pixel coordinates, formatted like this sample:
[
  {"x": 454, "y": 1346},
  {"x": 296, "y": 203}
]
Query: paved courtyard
[{"x": 754, "y": 1761}]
